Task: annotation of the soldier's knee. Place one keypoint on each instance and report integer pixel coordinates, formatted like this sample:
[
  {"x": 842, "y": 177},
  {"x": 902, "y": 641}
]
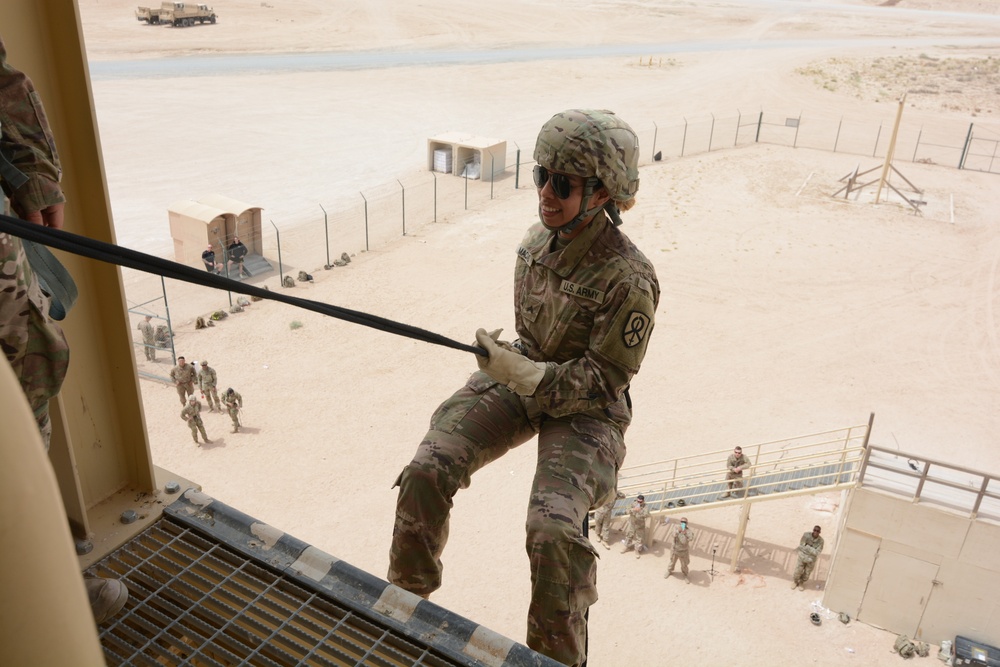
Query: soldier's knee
[{"x": 544, "y": 528}]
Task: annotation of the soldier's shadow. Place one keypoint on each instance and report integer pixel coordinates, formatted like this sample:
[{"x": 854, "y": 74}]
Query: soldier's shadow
[{"x": 217, "y": 443}]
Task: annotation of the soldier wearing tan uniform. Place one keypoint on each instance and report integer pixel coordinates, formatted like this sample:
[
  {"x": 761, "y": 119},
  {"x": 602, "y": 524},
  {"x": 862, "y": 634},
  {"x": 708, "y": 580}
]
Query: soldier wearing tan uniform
[
  {"x": 192, "y": 415},
  {"x": 207, "y": 381},
  {"x": 681, "y": 550},
  {"x": 183, "y": 375},
  {"x": 602, "y": 520},
  {"x": 635, "y": 534},
  {"x": 148, "y": 339},
  {"x": 584, "y": 302}
]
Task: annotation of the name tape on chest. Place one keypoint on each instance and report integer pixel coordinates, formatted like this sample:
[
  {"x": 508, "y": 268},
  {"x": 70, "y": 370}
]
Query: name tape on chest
[
  {"x": 525, "y": 254},
  {"x": 582, "y": 291}
]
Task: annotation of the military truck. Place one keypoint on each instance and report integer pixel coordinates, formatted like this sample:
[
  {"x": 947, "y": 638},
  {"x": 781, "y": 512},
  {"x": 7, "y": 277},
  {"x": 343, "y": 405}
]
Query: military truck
[
  {"x": 151, "y": 15},
  {"x": 183, "y": 14}
]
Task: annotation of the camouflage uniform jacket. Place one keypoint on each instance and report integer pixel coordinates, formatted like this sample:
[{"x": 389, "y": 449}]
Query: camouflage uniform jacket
[
  {"x": 182, "y": 374},
  {"x": 31, "y": 341},
  {"x": 734, "y": 461},
  {"x": 147, "y": 332},
  {"x": 233, "y": 400},
  {"x": 810, "y": 547},
  {"x": 191, "y": 413},
  {"x": 637, "y": 515},
  {"x": 27, "y": 141},
  {"x": 587, "y": 310},
  {"x": 207, "y": 378},
  {"x": 682, "y": 540}
]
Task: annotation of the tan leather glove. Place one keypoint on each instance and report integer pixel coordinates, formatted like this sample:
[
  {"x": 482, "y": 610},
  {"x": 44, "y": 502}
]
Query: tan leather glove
[{"x": 512, "y": 369}]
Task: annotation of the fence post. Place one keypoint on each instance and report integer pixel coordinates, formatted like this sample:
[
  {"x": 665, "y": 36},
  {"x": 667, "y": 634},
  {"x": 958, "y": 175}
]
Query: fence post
[
  {"x": 798, "y": 124},
  {"x": 326, "y": 229},
  {"x": 402, "y": 192},
  {"x": 225, "y": 262},
  {"x": 878, "y": 135},
  {"x": 739, "y": 119},
  {"x": 917, "y": 147},
  {"x": 170, "y": 326},
  {"x": 711, "y": 133},
  {"x": 466, "y": 172},
  {"x": 837, "y": 139},
  {"x": 760, "y": 121},
  {"x": 965, "y": 148},
  {"x": 366, "y": 219},
  {"x": 281, "y": 267},
  {"x": 517, "y": 168},
  {"x": 652, "y": 154},
  {"x": 685, "y": 137}
]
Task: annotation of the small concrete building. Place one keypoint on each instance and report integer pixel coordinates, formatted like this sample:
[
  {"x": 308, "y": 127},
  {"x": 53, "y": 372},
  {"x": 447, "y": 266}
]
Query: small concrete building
[{"x": 455, "y": 152}]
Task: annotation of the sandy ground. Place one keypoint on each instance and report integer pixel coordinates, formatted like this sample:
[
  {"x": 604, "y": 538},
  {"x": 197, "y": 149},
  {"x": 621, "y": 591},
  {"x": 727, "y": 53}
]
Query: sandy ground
[{"x": 784, "y": 312}]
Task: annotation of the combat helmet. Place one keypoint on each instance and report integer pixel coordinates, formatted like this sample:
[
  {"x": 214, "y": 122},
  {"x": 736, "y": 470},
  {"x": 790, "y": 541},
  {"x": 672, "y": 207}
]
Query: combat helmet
[{"x": 596, "y": 145}]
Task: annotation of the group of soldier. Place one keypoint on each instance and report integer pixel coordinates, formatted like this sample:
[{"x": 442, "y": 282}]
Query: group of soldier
[
  {"x": 184, "y": 377},
  {"x": 635, "y": 533},
  {"x": 810, "y": 545}
]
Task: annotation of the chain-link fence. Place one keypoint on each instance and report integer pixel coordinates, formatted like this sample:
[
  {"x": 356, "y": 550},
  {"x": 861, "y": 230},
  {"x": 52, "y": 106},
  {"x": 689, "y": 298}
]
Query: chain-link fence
[{"x": 387, "y": 212}]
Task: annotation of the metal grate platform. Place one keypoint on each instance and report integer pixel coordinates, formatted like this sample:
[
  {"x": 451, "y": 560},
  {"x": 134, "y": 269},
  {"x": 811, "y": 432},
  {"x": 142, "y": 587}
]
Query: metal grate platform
[{"x": 200, "y": 594}]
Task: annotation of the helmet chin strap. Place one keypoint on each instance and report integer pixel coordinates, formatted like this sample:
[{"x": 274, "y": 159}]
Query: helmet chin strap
[{"x": 584, "y": 214}]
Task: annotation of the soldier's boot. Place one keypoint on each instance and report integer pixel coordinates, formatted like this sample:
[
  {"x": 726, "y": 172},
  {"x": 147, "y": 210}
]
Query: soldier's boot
[
  {"x": 795, "y": 585},
  {"x": 667, "y": 575},
  {"x": 106, "y": 597},
  {"x": 725, "y": 495},
  {"x": 626, "y": 548},
  {"x": 606, "y": 544},
  {"x": 687, "y": 579}
]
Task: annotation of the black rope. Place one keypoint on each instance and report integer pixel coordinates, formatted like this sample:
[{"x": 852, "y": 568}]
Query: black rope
[{"x": 140, "y": 261}]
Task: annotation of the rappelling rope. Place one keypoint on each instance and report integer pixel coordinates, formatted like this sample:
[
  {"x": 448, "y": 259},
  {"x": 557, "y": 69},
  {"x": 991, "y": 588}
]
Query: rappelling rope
[{"x": 140, "y": 261}]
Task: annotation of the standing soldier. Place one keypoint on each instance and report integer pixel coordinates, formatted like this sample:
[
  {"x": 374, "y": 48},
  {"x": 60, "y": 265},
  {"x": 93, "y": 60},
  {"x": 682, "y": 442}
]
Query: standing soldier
[
  {"x": 735, "y": 465},
  {"x": 192, "y": 415},
  {"x": 148, "y": 343},
  {"x": 635, "y": 535},
  {"x": 183, "y": 376},
  {"x": 233, "y": 402},
  {"x": 207, "y": 379},
  {"x": 681, "y": 550},
  {"x": 602, "y": 520},
  {"x": 810, "y": 547}
]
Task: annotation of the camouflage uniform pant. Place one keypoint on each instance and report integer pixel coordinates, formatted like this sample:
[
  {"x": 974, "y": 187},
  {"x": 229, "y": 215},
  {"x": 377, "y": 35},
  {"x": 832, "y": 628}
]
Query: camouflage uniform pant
[
  {"x": 212, "y": 398},
  {"x": 684, "y": 557},
  {"x": 734, "y": 480},
  {"x": 185, "y": 389},
  {"x": 578, "y": 460},
  {"x": 234, "y": 414},
  {"x": 31, "y": 341},
  {"x": 602, "y": 523},
  {"x": 635, "y": 535},
  {"x": 802, "y": 571},
  {"x": 196, "y": 425}
]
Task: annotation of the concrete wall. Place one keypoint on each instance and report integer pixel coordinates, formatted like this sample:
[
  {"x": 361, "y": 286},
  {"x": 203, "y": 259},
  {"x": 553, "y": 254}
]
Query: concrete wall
[{"x": 916, "y": 569}]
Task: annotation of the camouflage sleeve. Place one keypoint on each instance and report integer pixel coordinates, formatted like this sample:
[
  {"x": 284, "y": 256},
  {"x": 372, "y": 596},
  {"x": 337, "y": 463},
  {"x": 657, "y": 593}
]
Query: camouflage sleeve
[
  {"x": 617, "y": 346},
  {"x": 27, "y": 142}
]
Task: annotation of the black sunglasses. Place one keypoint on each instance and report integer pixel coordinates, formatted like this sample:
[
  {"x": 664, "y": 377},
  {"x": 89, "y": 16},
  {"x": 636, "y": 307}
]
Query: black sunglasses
[{"x": 560, "y": 182}]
